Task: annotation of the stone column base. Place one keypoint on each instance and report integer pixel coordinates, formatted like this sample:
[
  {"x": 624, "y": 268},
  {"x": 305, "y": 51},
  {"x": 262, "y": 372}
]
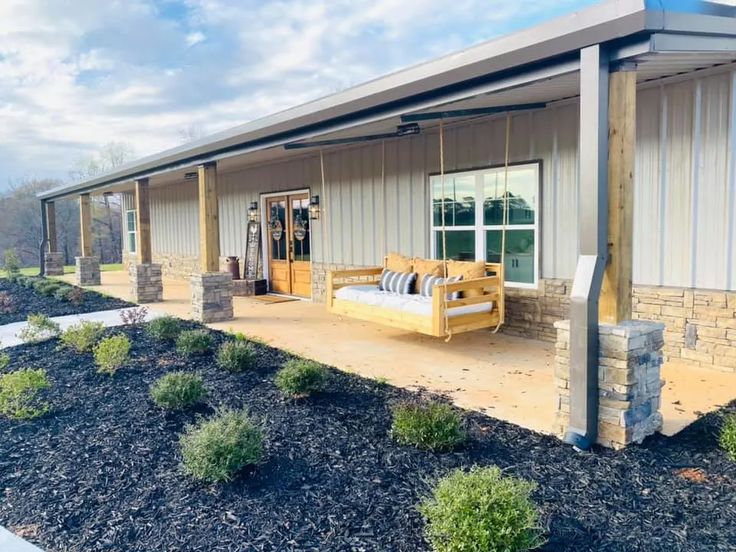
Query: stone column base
[
  {"x": 212, "y": 297},
  {"x": 53, "y": 263},
  {"x": 146, "y": 283},
  {"x": 88, "y": 271},
  {"x": 629, "y": 384}
]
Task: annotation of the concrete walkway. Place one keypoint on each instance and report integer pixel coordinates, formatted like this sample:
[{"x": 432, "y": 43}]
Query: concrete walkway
[
  {"x": 506, "y": 377},
  {"x": 9, "y": 332},
  {"x": 12, "y": 543}
]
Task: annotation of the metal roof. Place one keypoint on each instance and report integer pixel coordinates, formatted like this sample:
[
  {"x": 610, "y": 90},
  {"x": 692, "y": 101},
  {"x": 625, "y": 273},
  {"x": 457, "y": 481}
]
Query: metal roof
[{"x": 692, "y": 34}]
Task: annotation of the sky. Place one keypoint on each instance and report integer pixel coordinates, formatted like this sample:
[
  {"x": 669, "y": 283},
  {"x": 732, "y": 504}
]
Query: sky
[{"x": 77, "y": 74}]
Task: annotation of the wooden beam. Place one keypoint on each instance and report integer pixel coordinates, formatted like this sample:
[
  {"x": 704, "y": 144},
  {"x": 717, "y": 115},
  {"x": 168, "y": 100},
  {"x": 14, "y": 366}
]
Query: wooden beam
[
  {"x": 615, "y": 300},
  {"x": 51, "y": 226},
  {"x": 85, "y": 225},
  {"x": 209, "y": 220},
  {"x": 143, "y": 221}
]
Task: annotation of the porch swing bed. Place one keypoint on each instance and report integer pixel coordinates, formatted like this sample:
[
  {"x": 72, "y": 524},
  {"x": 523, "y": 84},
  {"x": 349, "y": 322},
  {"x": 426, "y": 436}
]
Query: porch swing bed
[{"x": 480, "y": 303}]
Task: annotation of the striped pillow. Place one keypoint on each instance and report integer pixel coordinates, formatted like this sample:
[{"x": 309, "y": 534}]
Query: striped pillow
[
  {"x": 397, "y": 282},
  {"x": 429, "y": 281}
]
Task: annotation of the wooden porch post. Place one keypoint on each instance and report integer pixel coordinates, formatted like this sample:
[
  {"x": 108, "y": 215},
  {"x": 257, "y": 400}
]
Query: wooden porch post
[
  {"x": 85, "y": 225},
  {"x": 143, "y": 221},
  {"x": 616, "y": 295},
  {"x": 209, "y": 223},
  {"x": 51, "y": 226}
]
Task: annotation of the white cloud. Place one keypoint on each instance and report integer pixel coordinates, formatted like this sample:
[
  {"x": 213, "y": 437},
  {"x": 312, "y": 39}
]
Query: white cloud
[{"x": 76, "y": 75}]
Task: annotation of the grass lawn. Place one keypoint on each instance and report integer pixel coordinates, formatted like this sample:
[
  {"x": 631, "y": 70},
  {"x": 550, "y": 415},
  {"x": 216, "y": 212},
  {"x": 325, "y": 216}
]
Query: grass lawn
[{"x": 68, "y": 269}]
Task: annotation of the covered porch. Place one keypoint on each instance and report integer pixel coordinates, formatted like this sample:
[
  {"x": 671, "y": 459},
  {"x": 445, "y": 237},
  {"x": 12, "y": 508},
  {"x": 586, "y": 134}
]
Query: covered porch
[{"x": 506, "y": 377}]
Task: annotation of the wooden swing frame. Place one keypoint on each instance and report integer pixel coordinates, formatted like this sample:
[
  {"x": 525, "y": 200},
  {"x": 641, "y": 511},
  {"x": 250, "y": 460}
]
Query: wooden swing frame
[{"x": 440, "y": 323}]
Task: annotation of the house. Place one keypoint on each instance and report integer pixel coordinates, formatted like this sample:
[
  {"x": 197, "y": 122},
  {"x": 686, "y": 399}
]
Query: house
[{"x": 627, "y": 107}]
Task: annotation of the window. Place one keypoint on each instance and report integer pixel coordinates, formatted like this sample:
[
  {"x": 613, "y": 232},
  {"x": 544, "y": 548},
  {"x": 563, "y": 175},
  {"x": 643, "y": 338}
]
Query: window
[
  {"x": 473, "y": 213},
  {"x": 131, "y": 230}
]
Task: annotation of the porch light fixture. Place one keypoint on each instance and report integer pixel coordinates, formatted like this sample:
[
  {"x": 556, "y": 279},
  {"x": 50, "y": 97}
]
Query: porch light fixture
[
  {"x": 253, "y": 212},
  {"x": 314, "y": 208}
]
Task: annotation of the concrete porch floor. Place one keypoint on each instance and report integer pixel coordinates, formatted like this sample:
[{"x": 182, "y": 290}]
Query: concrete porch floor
[{"x": 506, "y": 377}]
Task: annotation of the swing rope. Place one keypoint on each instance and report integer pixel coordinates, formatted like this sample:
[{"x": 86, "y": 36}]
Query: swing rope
[
  {"x": 505, "y": 218},
  {"x": 448, "y": 331}
]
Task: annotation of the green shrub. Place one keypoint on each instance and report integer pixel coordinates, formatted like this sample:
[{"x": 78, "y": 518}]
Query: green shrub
[
  {"x": 481, "y": 511},
  {"x": 728, "y": 436},
  {"x": 82, "y": 336},
  {"x": 39, "y": 283},
  {"x": 216, "y": 449},
  {"x": 194, "y": 342},
  {"x": 432, "y": 426},
  {"x": 4, "y": 360},
  {"x": 39, "y": 328},
  {"x": 49, "y": 289},
  {"x": 300, "y": 377},
  {"x": 178, "y": 390},
  {"x": 165, "y": 328},
  {"x": 111, "y": 353},
  {"x": 20, "y": 394},
  {"x": 29, "y": 281},
  {"x": 11, "y": 262},
  {"x": 62, "y": 294},
  {"x": 236, "y": 356}
]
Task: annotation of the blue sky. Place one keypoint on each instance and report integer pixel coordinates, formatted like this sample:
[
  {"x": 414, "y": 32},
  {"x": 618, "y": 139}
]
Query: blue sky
[{"x": 76, "y": 75}]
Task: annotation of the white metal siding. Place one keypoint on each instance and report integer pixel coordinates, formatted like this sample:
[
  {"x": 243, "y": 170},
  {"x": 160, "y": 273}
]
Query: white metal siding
[{"x": 376, "y": 196}]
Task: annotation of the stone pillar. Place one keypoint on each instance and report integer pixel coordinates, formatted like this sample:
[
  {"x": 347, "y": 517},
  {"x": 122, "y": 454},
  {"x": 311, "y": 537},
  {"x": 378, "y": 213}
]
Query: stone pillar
[
  {"x": 629, "y": 384},
  {"x": 88, "y": 271},
  {"x": 53, "y": 263},
  {"x": 212, "y": 297},
  {"x": 146, "y": 283}
]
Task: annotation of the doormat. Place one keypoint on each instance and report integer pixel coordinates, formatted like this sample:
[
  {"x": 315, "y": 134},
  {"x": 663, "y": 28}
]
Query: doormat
[{"x": 273, "y": 298}]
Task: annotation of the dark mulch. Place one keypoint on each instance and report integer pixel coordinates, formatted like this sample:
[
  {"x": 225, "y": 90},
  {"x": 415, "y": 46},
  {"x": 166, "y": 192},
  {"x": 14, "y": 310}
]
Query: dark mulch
[
  {"x": 28, "y": 301},
  {"x": 102, "y": 471}
]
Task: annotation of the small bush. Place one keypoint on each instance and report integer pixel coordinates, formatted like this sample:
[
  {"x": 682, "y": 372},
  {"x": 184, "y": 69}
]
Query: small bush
[
  {"x": 29, "y": 281},
  {"x": 216, "y": 449},
  {"x": 4, "y": 360},
  {"x": 728, "y": 436},
  {"x": 40, "y": 327},
  {"x": 194, "y": 342},
  {"x": 165, "y": 328},
  {"x": 178, "y": 390},
  {"x": 432, "y": 426},
  {"x": 83, "y": 336},
  {"x": 62, "y": 293},
  {"x": 481, "y": 511},
  {"x": 11, "y": 262},
  {"x": 111, "y": 353},
  {"x": 20, "y": 394},
  {"x": 75, "y": 296},
  {"x": 7, "y": 303},
  {"x": 236, "y": 356},
  {"x": 134, "y": 316},
  {"x": 39, "y": 283},
  {"x": 300, "y": 377},
  {"x": 49, "y": 289}
]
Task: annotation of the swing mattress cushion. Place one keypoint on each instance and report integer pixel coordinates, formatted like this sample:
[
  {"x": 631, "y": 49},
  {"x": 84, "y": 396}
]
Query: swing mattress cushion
[{"x": 408, "y": 303}]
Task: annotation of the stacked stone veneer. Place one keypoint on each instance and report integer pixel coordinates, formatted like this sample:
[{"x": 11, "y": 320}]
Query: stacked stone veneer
[
  {"x": 700, "y": 325},
  {"x": 629, "y": 381},
  {"x": 87, "y": 271},
  {"x": 53, "y": 263},
  {"x": 146, "y": 283},
  {"x": 212, "y": 297}
]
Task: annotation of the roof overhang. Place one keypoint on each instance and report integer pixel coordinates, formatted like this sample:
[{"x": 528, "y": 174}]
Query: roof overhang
[{"x": 632, "y": 29}]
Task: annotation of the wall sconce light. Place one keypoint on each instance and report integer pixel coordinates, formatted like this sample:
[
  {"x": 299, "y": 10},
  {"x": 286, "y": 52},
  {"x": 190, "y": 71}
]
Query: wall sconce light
[
  {"x": 314, "y": 208},
  {"x": 253, "y": 212}
]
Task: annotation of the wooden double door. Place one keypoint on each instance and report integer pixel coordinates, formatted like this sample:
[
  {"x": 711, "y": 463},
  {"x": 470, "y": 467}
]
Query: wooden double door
[{"x": 289, "y": 244}]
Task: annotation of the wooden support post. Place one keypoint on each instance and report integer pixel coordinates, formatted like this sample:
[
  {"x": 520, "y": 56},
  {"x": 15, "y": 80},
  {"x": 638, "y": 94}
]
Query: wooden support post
[
  {"x": 209, "y": 220},
  {"x": 143, "y": 221},
  {"x": 51, "y": 226},
  {"x": 85, "y": 225},
  {"x": 616, "y": 295}
]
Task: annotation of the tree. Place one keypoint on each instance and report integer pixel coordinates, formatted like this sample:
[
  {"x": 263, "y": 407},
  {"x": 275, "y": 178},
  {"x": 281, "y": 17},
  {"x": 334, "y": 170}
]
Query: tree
[
  {"x": 191, "y": 132},
  {"x": 106, "y": 211}
]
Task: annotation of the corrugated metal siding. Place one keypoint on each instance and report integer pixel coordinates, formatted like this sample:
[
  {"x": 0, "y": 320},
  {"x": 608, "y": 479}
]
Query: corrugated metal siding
[{"x": 685, "y": 150}]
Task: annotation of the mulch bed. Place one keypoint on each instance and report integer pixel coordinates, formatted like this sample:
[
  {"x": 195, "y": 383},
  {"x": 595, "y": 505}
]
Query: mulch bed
[
  {"x": 28, "y": 301},
  {"x": 101, "y": 472}
]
